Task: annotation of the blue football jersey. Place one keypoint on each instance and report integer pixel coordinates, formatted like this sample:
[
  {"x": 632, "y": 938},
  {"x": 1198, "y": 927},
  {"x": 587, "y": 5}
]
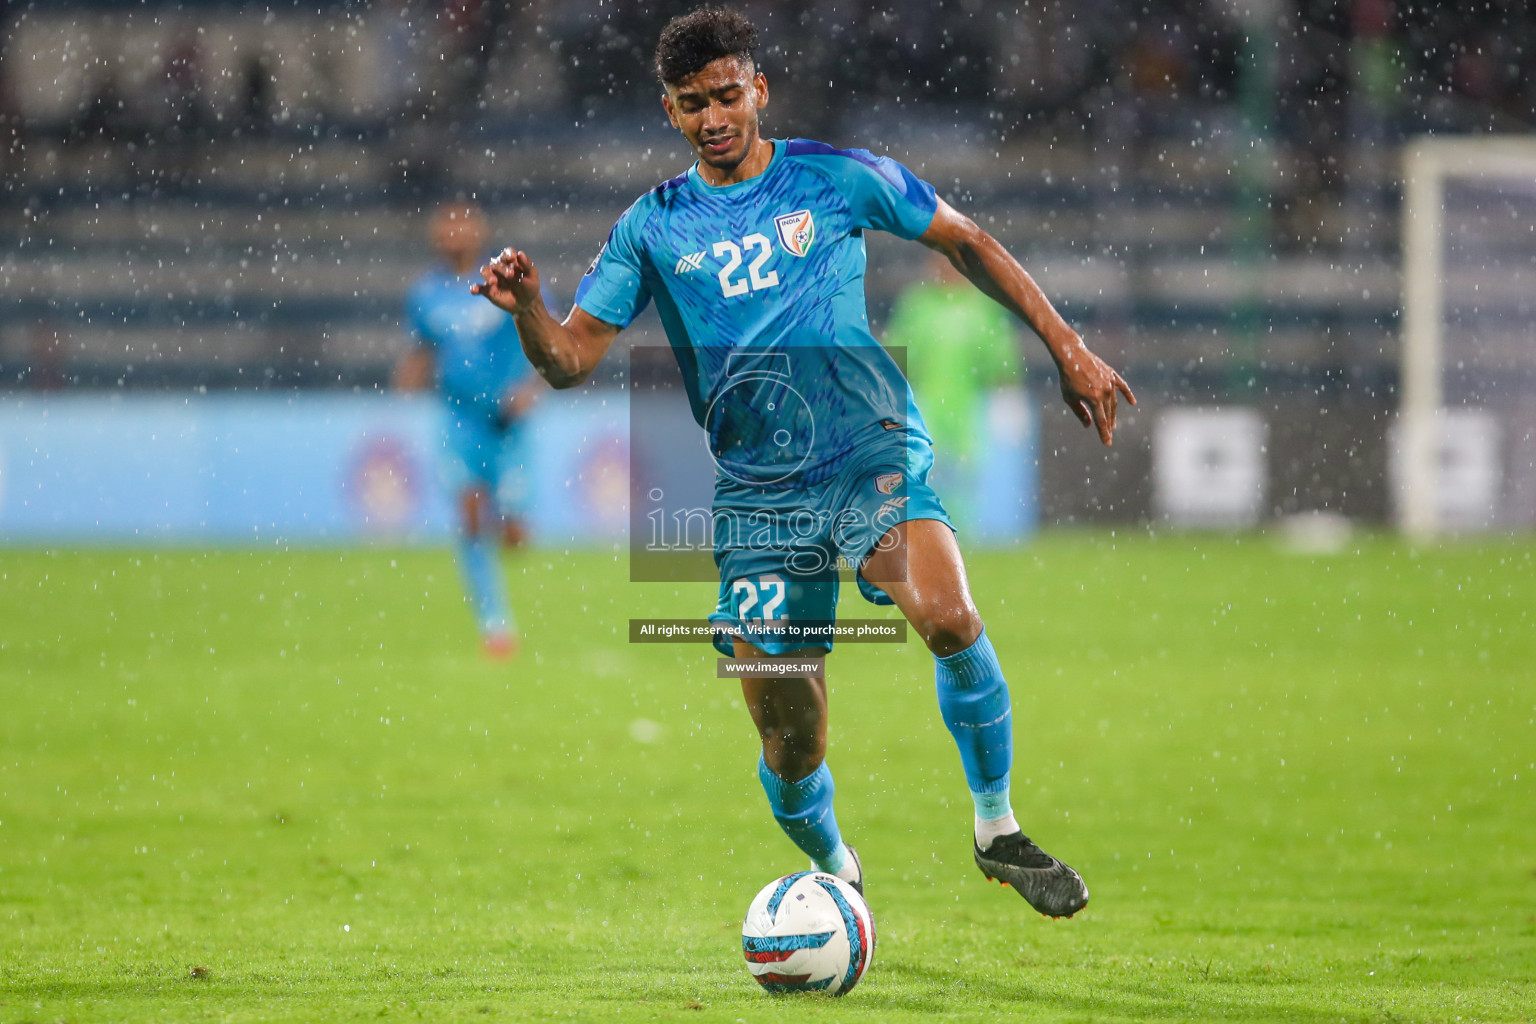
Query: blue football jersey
[
  {"x": 760, "y": 287},
  {"x": 479, "y": 355}
]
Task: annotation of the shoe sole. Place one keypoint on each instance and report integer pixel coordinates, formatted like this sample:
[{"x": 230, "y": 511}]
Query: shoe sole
[{"x": 1053, "y": 917}]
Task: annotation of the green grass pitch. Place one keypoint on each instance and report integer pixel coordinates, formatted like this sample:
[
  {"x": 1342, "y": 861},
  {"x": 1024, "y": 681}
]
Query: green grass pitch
[{"x": 262, "y": 785}]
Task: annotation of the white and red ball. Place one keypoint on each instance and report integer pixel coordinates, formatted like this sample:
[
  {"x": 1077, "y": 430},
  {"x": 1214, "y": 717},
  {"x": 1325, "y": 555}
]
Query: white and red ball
[{"x": 808, "y": 932}]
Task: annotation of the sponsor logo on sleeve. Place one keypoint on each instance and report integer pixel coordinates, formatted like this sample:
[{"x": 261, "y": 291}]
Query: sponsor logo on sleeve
[
  {"x": 890, "y": 512},
  {"x": 593, "y": 265}
]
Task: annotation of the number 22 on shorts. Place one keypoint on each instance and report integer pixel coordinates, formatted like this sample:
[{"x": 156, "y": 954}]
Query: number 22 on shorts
[{"x": 766, "y": 594}]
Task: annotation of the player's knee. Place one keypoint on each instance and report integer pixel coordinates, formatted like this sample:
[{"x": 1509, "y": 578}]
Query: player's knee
[
  {"x": 473, "y": 510},
  {"x": 794, "y": 769},
  {"x": 513, "y": 534},
  {"x": 950, "y": 627},
  {"x": 792, "y": 753}
]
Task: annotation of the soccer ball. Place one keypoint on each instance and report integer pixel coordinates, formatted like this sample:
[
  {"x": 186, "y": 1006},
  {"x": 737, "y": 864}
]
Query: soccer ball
[{"x": 808, "y": 932}]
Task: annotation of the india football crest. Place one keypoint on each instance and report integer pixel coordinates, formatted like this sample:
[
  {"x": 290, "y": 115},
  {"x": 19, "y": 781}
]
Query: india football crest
[
  {"x": 887, "y": 483},
  {"x": 796, "y": 232}
]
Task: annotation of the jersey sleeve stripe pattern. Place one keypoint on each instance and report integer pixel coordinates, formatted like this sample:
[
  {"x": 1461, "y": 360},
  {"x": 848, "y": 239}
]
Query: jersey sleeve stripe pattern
[{"x": 907, "y": 219}]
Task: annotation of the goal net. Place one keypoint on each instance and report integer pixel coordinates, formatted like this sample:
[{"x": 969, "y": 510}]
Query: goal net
[{"x": 1462, "y": 452}]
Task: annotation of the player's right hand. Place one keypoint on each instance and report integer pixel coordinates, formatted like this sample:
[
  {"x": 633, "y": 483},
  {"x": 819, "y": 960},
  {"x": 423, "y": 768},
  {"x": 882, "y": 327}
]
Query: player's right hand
[{"x": 510, "y": 281}]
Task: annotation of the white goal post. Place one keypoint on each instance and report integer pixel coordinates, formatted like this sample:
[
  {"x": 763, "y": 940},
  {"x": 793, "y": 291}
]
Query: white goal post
[{"x": 1428, "y": 163}]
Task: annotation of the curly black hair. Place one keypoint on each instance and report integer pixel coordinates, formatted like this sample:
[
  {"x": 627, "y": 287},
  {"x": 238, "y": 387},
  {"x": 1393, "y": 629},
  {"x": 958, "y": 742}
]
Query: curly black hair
[{"x": 690, "y": 41}]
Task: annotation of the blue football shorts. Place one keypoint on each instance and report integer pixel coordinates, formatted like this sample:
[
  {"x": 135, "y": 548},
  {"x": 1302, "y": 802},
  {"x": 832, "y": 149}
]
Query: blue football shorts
[
  {"x": 779, "y": 551},
  {"x": 478, "y": 452}
]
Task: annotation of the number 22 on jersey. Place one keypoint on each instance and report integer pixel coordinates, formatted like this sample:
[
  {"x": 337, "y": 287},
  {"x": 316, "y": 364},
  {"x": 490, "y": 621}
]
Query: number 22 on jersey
[{"x": 754, "y": 280}]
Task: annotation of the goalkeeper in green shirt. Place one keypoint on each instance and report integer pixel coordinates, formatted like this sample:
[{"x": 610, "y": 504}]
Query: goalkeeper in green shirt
[{"x": 960, "y": 345}]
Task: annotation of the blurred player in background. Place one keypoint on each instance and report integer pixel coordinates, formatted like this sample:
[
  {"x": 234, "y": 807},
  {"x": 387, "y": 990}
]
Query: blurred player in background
[
  {"x": 755, "y": 257},
  {"x": 959, "y": 346},
  {"x": 472, "y": 353}
]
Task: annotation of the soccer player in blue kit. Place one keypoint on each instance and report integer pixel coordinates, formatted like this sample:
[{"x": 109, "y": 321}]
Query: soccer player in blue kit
[
  {"x": 487, "y": 387},
  {"x": 755, "y": 260}
]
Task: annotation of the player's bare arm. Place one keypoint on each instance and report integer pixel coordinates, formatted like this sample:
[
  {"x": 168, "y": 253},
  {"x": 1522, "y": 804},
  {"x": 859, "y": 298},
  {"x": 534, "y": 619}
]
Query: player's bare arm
[
  {"x": 414, "y": 370},
  {"x": 1090, "y": 386},
  {"x": 565, "y": 354}
]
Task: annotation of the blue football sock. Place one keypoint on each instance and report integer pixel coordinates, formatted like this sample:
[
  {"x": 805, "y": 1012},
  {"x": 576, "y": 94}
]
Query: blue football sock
[
  {"x": 804, "y": 811},
  {"x": 484, "y": 583},
  {"x": 973, "y": 698}
]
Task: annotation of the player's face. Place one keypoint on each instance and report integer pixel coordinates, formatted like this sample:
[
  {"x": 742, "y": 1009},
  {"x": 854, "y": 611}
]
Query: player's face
[
  {"x": 716, "y": 110},
  {"x": 459, "y": 233}
]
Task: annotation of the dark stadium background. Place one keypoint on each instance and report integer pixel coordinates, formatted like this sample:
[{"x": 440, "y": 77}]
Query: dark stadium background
[{"x": 230, "y": 197}]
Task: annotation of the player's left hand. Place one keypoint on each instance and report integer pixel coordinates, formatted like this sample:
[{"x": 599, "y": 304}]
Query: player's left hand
[{"x": 1092, "y": 388}]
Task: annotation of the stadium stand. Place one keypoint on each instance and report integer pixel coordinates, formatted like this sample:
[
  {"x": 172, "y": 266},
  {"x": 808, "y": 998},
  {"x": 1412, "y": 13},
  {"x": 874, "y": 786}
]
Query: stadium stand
[{"x": 205, "y": 195}]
